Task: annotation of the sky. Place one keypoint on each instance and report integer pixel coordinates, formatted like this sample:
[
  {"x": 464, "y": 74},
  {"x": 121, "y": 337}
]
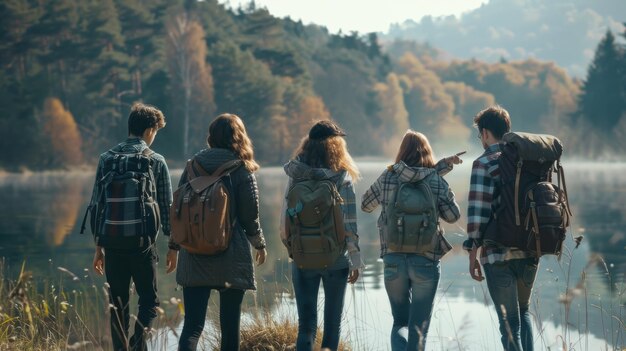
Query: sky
[{"x": 361, "y": 15}]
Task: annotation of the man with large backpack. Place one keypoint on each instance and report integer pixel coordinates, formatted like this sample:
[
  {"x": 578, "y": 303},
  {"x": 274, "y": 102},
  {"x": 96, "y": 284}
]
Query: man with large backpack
[
  {"x": 130, "y": 201},
  {"x": 515, "y": 215}
]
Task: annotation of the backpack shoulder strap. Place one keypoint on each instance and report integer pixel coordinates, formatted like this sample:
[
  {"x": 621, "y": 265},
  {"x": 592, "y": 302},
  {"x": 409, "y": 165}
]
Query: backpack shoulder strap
[
  {"x": 191, "y": 172},
  {"x": 194, "y": 169},
  {"x": 202, "y": 179},
  {"x": 341, "y": 179},
  {"x": 226, "y": 168},
  {"x": 147, "y": 152}
]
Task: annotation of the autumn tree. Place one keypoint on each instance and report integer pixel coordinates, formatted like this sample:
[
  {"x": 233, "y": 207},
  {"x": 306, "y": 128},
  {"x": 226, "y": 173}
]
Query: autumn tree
[
  {"x": 62, "y": 135},
  {"x": 431, "y": 107},
  {"x": 191, "y": 75},
  {"x": 467, "y": 100},
  {"x": 392, "y": 114}
]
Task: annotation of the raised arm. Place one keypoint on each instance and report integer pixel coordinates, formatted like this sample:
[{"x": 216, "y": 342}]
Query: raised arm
[
  {"x": 449, "y": 209},
  {"x": 373, "y": 196}
]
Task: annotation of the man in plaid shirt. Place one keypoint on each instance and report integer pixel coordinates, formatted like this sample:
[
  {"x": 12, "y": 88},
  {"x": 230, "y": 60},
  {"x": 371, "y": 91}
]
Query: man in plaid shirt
[
  {"x": 136, "y": 263},
  {"x": 510, "y": 271}
]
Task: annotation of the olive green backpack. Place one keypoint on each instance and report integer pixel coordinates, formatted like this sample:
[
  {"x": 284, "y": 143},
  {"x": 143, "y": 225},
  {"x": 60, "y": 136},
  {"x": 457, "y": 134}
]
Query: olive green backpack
[
  {"x": 412, "y": 219},
  {"x": 314, "y": 221}
]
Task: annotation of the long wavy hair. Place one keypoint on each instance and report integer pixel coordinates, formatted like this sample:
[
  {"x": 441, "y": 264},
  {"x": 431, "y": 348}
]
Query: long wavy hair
[
  {"x": 228, "y": 132},
  {"x": 331, "y": 152},
  {"x": 415, "y": 150}
]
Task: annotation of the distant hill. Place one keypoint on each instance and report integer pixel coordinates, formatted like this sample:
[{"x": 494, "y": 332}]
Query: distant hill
[
  {"x": 69, "y": 72},
  {"x": 563, "y": 31}
]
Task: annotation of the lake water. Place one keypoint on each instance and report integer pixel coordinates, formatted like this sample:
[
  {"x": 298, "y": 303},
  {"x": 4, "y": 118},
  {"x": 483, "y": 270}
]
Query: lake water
[{"x": 40, "y": 217}]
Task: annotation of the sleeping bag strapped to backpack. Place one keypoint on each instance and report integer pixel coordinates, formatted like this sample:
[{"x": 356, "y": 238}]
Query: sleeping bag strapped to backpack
[
  {"x": 533, "y": 213},
  {"x": 412, "y": 219},
  {"x": 314, "y": 221},
  {"x": 125, "y": 215},
  {"x": 201, "y": 216}
]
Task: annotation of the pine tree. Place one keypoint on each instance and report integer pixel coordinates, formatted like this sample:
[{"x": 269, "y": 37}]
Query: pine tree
[
  {"x": 16, "y": 17},
  {"x": 243, "y": 85},
  {"x": 246, "y": 87},
  {"x": 107, "y": 72},
  {"x": 261, "y": 28},
  {"x": 602, "y": 97},
  {"x": 54, "y": 41},
  {"x": 139, "y": 26}
]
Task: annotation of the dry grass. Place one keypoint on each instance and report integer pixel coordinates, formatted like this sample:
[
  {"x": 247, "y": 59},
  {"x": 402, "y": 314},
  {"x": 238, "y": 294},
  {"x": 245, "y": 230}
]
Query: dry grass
[
  {"x": 39, "y": 315},
  {"x": 264, "y": 333},
  {"x": 36, "y": 314}
]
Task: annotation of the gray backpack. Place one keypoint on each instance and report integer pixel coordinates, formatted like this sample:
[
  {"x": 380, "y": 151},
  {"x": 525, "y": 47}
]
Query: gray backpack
[
  {"x": 412, "y": 218},
  {"x": 315, "y": 223}
]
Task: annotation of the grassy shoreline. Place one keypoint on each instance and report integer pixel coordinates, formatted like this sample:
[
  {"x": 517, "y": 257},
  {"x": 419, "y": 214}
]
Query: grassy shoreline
[
  {"x": 44, "y": 315},
  {"x": 64, "y": 311}
]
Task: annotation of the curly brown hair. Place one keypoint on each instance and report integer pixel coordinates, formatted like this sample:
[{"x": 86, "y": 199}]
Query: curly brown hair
[
  {"x": 331, "y": 152},
  {"x": 143, "y": 117},
  {"x": 228, "y": 132}
]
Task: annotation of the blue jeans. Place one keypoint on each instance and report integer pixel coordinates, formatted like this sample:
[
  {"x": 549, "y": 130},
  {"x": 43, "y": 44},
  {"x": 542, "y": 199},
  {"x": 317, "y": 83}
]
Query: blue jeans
[
  {"x": 306, "y": 284},
  {"x": 411, "y": 282},
  {"x": 510, "y": 284}
]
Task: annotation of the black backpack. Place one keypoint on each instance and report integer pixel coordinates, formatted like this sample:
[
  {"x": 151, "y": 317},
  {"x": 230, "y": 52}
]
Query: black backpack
[
  {"x": 533, "y": 213},
  {"x": 125, "y": 215}
]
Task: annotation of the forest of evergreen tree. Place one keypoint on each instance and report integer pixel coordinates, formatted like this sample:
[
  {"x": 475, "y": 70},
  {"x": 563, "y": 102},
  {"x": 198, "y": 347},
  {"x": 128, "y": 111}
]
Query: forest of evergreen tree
[{"x": 70, "y": 70}]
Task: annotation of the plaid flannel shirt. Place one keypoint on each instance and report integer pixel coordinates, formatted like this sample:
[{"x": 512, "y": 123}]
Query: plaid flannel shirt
[
  {"x": 163, "y": 192},
  {"x": 383, "y": 188},
  {"x": 483, "y": 182}
]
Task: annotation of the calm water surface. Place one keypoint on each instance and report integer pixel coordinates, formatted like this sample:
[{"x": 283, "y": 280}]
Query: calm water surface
[{"x": 40, "y": 217}]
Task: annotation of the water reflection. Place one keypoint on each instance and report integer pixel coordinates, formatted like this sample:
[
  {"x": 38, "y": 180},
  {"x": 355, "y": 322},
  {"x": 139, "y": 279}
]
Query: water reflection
[{"x": 40, "y": 216}]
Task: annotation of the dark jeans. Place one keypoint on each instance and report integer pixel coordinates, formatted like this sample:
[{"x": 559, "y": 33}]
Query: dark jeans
[
  {"x": 306, "y": 284},
  {"x": 411, "y": 282},
  {"x": 120, "y": 268},
  {"x": 510, "y": 284},
  {"x": 196, "y": 300}
]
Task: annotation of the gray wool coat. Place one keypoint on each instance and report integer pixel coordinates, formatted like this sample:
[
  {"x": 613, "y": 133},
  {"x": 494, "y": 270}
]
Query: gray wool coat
[{"x": 232, "y": 268}]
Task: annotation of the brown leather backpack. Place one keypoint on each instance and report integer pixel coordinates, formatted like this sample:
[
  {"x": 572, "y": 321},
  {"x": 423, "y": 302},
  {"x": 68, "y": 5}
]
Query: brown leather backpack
[{"x": 200, "y": 214}]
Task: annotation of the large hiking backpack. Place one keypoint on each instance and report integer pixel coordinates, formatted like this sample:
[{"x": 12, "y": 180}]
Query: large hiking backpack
[
  {"x": 314, "y": 221},
  {"x": 201, "y": 214},
  {"x": 533, "y": 213},
  {"x": 412, "y": 218},
  {"x": 125, "y": 214}
]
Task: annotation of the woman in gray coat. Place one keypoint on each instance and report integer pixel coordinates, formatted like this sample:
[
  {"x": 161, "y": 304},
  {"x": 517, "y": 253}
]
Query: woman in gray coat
[{"x": 231, "y": 272}]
